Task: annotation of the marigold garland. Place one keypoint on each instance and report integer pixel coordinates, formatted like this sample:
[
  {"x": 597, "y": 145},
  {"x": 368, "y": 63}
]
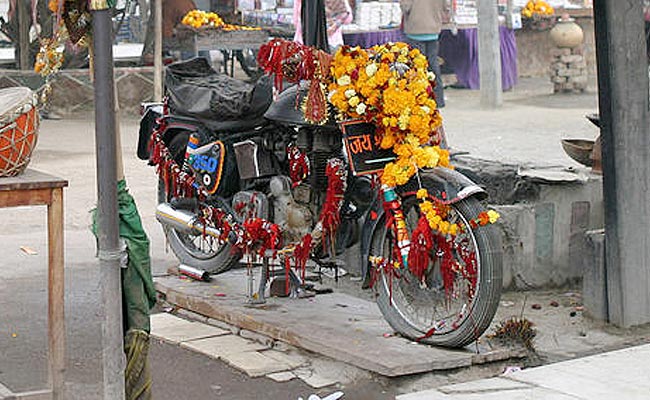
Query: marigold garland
[
  {"x": 201, "y": 19},
  {"x": 537, "y": 7},
  {"x": 389, "y": 86}
]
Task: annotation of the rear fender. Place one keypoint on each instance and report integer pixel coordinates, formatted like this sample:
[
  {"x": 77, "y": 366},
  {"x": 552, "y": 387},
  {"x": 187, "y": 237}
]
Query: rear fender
[{"x": 446, "y": 186}]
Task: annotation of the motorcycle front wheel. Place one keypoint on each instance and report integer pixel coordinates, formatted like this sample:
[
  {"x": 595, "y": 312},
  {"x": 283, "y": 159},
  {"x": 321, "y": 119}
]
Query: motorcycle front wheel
[
  {"x": 451, "y": 312},
  {"x": 195, "y": 249}
]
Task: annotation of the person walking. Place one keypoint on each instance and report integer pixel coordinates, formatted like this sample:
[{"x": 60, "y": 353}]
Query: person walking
[{"x": 422, "y": 23}]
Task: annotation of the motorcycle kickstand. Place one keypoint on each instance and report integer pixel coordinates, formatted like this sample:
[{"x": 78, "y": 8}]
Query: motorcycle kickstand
[
  {"x": 297, "y": 290},
  {"x": 258, "y": 298}
]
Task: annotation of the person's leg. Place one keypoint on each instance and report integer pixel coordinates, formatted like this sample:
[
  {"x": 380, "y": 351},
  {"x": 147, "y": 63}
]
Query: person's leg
[{"x": 431, "y": 51}]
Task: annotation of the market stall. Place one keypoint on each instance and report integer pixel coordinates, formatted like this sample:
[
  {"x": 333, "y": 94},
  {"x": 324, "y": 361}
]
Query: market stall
[{"x": 378, "y": 22}]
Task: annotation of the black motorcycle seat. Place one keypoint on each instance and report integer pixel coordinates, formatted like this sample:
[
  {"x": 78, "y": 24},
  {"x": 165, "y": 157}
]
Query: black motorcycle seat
[{"x": 220, "y": 102}]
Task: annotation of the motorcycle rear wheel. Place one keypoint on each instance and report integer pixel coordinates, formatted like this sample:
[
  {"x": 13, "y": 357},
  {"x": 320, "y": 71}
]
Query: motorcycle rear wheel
[
  {"x": 196, "y": 250},
  {"x": 427, "y": 312}
]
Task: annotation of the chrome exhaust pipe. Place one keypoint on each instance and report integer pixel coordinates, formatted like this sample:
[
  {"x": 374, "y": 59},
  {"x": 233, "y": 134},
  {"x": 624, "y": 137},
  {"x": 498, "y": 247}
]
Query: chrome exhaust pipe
[{"x": 183, "y": 221}]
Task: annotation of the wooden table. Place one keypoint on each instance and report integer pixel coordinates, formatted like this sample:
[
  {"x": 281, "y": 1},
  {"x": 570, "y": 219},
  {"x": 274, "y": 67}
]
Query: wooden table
[
  {"x": 195, "y": 40},
  {"x": 33, "y": 188}
]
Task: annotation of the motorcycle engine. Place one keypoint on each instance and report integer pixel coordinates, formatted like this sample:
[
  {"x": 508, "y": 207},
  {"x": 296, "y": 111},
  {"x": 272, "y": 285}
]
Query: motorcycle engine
[
  {"x": 294, "y": 219},
  {"x": 295, "y": 210}
]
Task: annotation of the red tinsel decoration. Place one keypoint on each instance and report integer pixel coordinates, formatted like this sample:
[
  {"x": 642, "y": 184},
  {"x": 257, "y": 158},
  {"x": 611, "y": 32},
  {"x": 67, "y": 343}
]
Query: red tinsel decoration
[
  {"x": 301, "y": 254},
  {"x": 295, "y": 62},
  {"x": 258, "y": 235},
  {"x": 329, "y": 216},
  {"x": 447, "y": 264},
  {"x": 314, "y": 106},
  {"x": 420, "y": 250},
  {"x": 469, "y": 270},
  {"x": 387, "y": 268},
  {"x": 298, "y": 165}
]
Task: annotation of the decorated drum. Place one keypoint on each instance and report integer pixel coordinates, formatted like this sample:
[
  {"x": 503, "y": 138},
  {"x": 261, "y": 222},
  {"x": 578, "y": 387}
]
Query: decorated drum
[{"x": 18, "y": 129}]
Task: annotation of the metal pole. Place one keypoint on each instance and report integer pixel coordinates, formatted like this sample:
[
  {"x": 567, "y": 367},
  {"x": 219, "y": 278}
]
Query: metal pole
[
  {"x": 113, "y": 359},
  {"x": 22, "y": 11},
  {"x": 489, "y": 54},
  {"x": 625, "y": 134},
  {"x": 157, "y": 53}
]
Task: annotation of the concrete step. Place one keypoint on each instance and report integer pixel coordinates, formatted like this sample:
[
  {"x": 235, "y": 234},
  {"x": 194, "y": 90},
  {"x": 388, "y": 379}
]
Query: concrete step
[{"x": 340, "y": 326}]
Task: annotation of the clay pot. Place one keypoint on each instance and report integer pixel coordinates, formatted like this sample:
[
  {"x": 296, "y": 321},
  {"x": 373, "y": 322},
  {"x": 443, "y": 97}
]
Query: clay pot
[{"x": 566, "y": 33}]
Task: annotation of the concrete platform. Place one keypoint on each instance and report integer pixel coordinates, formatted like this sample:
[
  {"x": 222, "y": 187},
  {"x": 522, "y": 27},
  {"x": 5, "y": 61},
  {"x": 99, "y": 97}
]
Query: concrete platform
[{"x": 337, "y": 325}]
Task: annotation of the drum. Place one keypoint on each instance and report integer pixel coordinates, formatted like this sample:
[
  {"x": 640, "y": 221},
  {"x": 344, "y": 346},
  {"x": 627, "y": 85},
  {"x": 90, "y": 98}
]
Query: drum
[{"x": 18, "y": 129}]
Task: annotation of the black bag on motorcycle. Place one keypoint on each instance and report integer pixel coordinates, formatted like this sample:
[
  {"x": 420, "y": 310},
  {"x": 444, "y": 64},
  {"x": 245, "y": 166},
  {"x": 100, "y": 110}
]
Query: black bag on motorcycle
[{"x": 196, "y": 90}]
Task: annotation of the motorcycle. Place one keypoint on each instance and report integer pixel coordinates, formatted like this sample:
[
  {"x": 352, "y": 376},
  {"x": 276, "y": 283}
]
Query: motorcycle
[{"x": 267, "y": 182}]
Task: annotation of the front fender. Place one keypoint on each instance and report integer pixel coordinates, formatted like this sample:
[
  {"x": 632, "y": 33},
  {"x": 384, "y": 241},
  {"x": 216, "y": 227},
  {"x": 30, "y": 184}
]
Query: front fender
[{"x": 446, "y": 186}]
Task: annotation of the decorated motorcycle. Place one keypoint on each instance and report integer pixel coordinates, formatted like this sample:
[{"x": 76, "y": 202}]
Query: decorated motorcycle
[{"x": 346, "y": 158}]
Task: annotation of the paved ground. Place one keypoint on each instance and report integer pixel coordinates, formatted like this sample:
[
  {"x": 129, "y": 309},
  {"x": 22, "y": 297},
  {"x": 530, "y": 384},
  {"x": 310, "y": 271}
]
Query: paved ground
[
  {"x": 620, "y": 374},
  {"x": 526, "y": 129}
]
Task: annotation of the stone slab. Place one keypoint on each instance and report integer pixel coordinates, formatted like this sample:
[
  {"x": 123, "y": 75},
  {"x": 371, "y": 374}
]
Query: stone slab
[
  {"x": 164, "y": 320},
  {"x": 221, "y": 346},
  {"x": 285, "y": 376},
  {"x": 179, "y": 330},
  {"x": 517, "y": 394},
  {"x": 254, "y": 364},
  {"x": 591, "y": 377},
  {"x": 336, "y": 325},
  {"x": 484, "y": 385},
  {"x": 292, "y": 360},
  {"x": 314, "y": 379},
  {"x": 5, "y": 393}
]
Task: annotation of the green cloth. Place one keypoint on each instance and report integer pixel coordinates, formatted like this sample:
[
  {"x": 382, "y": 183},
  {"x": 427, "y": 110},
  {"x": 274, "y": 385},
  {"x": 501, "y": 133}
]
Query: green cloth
[
  {"x": 138, "y": 292},
  {"x": 137, "y": 376}
]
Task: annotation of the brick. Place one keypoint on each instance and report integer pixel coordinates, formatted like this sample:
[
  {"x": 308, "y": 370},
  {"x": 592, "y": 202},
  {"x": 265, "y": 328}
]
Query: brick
[
  {"x": 578, "y": 50},
  {"x": 562, "y": 87},
  {"x": 557, "y": 52},
  {"x": 572, "y": 59},
  {"x": 580, "y": 79},
  {"x": 578, "y": 65},
  {"x": 559, "y": 79},
  {"x": 556, "y": 66},
  {"x": 569, "y": 72}
]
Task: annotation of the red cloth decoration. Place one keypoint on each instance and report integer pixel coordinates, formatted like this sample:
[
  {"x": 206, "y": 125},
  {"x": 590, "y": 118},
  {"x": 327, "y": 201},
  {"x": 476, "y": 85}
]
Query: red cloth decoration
[
  {"x": 301, "y": 254},
  {"x": 447, "y": 264},
  {"x": 295, "y": 62},
  {"x": 258, "y": 235},
  {"x": 298, "y": 165},
  {"x": 329, "y": 216},
  {"x": 314, "y": 106},
  {"x": 420, "y": 251}
]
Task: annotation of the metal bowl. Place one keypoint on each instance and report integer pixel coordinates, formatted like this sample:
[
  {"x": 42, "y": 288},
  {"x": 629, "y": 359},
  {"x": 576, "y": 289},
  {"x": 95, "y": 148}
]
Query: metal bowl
[{"x": 579, "y": 150}]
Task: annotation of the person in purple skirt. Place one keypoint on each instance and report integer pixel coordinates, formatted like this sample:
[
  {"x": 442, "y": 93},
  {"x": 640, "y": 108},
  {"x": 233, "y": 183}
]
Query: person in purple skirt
[{"x": 422, "y": 23}]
